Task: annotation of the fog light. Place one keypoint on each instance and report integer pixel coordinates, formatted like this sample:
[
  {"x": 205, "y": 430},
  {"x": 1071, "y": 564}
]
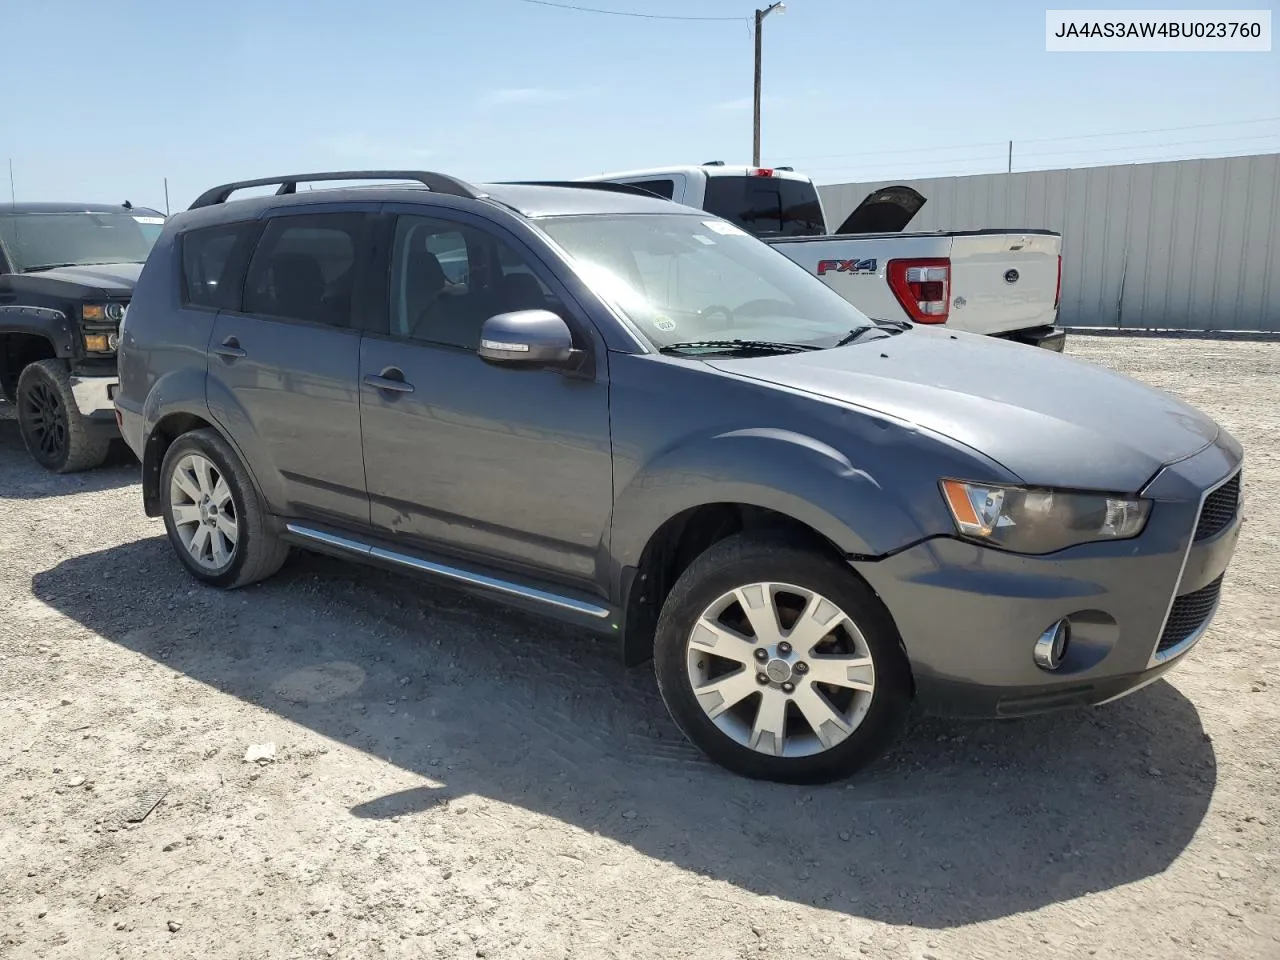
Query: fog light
[
  {"x": 97, "y": 342},
  {"x": 1052, "y": 645}
]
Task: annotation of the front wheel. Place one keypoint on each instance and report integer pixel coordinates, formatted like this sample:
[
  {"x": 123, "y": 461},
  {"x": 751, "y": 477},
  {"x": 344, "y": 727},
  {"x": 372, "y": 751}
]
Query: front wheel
[
  {"x": 57, "y": 435},
  {"x": 779, "y": 663}
]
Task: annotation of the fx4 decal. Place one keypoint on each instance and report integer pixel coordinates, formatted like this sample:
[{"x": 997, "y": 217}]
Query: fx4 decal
[{"x": 846, "y": 266}]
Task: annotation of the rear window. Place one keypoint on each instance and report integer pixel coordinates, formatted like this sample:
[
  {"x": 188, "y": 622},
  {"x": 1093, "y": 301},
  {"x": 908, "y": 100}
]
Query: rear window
[
  {"x": 766, "y": 206},
  {"x": 206, "y": 257},
  {"x": 663, "y": 188}
]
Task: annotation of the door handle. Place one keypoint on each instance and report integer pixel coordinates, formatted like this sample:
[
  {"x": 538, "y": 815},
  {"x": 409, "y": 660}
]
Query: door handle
[
  {"x": 229, "y": 349},
  {"x": 392, "y": 380}
]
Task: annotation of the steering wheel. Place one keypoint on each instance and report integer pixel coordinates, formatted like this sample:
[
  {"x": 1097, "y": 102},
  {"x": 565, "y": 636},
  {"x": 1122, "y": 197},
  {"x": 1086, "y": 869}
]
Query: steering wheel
[{"x": 716, "y": 309}]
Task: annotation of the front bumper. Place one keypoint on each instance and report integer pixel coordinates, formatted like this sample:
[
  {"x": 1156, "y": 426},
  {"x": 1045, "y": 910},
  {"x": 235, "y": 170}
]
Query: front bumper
[
  {"x": 95, "y": 396},
  {"x": 969, "y": 615}
]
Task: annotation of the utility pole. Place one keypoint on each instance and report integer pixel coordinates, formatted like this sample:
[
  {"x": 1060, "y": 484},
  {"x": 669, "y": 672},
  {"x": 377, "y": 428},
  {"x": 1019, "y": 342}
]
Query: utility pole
[
  {"x": 1010, "y": 167},
  {"x": 755, "y": 126},
  {"x": 13, "y": 196},
  {"x": 166, "y": 196}
]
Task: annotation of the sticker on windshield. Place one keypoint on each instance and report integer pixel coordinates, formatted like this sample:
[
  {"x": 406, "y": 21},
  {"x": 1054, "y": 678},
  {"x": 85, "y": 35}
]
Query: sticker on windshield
[
  {"x": 706, "y": 241},
  {"x": 665, "y": 324},
  {"x": 721, "y": 227},
  {"x": 149, "y": 219}
]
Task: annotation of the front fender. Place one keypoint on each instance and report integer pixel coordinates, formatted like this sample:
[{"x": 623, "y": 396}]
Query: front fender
[
  {"x": 782, "y": 470},
  {"x": 48, "y": 322}
]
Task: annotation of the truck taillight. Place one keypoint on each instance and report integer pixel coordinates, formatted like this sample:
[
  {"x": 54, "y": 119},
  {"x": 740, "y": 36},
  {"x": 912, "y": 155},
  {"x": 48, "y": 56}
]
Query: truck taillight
[
  {"x": 923, "y": 287},
  {"x": 1057, "y": 290}
]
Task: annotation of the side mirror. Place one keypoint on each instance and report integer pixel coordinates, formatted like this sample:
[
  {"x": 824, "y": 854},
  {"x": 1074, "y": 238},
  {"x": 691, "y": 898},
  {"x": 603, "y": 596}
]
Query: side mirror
[{"x": 535, "y": 337}]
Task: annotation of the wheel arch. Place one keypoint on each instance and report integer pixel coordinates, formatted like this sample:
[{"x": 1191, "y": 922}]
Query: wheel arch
[
  {"x": 19, "y": 349},
  {"x": 679, "y": 541},
  {"x": 170, "y": 426}
]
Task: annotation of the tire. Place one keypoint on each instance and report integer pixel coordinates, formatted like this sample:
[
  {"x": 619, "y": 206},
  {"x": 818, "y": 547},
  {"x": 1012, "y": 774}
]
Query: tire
[
  {"x": 858, "y": 715},
  {"x": 202, "y": 510},
  {"x": 56, "y": 434}
]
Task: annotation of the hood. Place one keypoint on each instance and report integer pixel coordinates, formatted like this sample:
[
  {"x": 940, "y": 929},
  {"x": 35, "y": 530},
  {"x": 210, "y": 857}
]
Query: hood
[
  {"x": 887, "y": 210},
  {"x": 1049, "y": 419},
  {"x": 110, "y": 278}
]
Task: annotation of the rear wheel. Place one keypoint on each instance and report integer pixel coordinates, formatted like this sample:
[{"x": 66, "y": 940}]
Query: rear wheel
[
  {"x": 216, "y": 522},
  {"x": 57, "y": 435},
  {"x": 779, "y": 663}
]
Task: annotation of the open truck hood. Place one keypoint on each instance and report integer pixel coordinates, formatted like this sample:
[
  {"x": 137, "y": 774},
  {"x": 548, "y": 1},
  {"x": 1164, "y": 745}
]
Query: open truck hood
[
  {"x": 887, "y": 210},
  {"x": 1051, "y": 420}
]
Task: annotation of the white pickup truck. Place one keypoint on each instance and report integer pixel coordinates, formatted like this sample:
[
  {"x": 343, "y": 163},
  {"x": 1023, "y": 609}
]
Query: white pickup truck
[{"x": 1000, "y": 282}]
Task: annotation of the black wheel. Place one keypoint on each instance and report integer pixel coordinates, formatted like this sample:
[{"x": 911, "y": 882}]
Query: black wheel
[
  {"x": 214, "y": 517},
  {"x": 779, "y": 663},
  {"x": 57, "y": 435}
]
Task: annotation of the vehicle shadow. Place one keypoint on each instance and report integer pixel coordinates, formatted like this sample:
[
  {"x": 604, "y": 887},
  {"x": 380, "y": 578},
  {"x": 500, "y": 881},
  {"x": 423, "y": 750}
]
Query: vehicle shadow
[
  {"x": 963, "y": 822},
  {"x": 21, "y": 478}
]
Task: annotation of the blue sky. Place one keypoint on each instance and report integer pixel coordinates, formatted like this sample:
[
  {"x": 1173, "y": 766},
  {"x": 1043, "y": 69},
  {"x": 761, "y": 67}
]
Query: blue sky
[{"x": 104, "y": 100}]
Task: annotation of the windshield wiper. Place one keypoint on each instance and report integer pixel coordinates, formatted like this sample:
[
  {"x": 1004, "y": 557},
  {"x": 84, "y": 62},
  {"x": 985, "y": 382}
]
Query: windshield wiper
[
  {"x": 878, "y": 325},
  {"x": 47, "y": 266},
  {"x": 743, "y": 346}
]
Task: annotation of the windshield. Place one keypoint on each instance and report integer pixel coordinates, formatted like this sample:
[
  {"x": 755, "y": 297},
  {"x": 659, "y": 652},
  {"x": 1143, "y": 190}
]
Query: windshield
[
  {"x": 35, "y": 240},
  {"x": 690, "y": 278}
]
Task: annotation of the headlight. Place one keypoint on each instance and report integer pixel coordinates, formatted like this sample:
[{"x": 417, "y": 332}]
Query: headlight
[
  {"x": 115, "y": 312},
  {"x": 1040, "y": 520}
]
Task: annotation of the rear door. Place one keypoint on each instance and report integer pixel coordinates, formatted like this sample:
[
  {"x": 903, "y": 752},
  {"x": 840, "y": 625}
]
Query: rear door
[
  {"x": 283, "y": 367},
  {"x": 1003, "y": 281}
]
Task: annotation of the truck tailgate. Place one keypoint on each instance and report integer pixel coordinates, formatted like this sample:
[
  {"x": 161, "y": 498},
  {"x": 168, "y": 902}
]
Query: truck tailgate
[{"x": 1002, "y": 282}]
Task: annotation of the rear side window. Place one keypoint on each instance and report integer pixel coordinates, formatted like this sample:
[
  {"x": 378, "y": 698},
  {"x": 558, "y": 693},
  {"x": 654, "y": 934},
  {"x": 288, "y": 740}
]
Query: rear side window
[
  {"x": 663, "y": 188},
  {"x": 206, "y": 264},
  {"x": 305, "y": 268},
  {"x": 766, "y": 206}
]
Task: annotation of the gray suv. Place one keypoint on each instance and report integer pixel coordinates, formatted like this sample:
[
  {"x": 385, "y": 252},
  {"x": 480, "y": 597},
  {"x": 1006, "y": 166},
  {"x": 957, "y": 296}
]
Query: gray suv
[{"x": 629, "y": 414}]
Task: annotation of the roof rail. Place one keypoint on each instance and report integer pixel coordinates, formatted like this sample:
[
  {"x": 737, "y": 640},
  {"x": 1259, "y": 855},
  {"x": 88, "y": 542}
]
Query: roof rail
[
  {"x": 606, "y": 185},
  {"x": 714, "y": 163},
  {"x": 436, "y": 182},
  {"x": 791, "y": 169}
]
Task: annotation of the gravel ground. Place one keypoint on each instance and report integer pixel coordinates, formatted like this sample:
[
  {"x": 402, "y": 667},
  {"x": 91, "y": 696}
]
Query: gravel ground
[{"x": 452, "y": 779}]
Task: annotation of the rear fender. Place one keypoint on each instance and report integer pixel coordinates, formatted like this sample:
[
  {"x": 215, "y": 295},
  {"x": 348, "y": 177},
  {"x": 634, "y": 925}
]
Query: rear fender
[{"x": 184, "y": 391}]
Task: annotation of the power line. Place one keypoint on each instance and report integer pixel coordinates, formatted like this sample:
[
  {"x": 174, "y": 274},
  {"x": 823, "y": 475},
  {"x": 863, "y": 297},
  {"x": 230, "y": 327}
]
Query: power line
[
  {"x": 627, "y": 13},
  {"x": 1016, "y": 140},
  {"x": 1127, "y": 133},
  {"x": 873, "y": 173},
  {"x": 1145, "y": 146}
]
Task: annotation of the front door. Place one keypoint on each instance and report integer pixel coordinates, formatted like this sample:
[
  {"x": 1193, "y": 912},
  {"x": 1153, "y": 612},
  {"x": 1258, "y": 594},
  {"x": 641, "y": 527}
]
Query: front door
[
  {"x": 508, "y": 466},
  {"x": 284, "y": 369}
]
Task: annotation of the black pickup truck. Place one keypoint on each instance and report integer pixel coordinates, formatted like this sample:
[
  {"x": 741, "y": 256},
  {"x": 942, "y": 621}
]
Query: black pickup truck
[{"x": 67, "y": 272}]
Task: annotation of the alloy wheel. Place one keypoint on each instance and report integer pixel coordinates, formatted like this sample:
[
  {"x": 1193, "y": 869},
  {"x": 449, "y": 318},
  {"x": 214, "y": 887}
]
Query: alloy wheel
[
  {"x": 46, "y": 420},
  {"x": 203, "y": 512},
  {"x": 780, "y": 669}
]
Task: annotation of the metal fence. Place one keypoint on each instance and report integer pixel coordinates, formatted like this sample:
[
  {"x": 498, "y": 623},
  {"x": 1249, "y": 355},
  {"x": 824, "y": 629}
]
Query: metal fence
[{"x": 1188, "y": 245}]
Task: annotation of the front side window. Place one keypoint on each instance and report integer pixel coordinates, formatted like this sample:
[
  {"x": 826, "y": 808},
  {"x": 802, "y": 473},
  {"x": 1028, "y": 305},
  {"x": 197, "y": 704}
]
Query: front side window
[
  {"x": 686, "y": 278},
  {"x": 38, "y": 241},
  {"x": 304, "y": 268},
  {"x": 448, "y": 278}
]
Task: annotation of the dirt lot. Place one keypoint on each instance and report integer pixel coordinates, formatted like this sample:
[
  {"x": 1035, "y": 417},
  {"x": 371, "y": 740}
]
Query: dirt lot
[{"x": 455, "y": 780}]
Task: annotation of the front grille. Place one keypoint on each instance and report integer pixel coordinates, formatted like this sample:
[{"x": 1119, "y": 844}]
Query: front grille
[
  {"x": 1220, "y": 508},
  {"x": 1188, "y": 614}
]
